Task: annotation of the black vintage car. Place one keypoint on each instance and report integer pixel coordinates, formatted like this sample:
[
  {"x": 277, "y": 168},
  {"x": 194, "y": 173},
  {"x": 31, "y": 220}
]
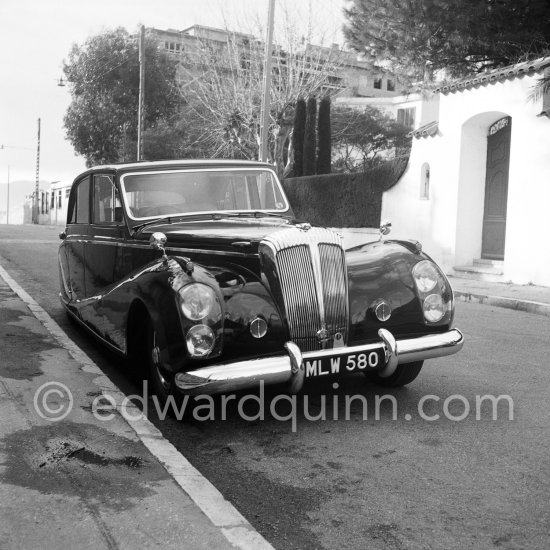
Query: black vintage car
[{"x": 199, "y": 271}]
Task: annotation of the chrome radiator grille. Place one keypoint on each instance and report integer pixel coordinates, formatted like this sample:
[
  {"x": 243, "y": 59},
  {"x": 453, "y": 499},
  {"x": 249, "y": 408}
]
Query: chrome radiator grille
[{"x": 308, "y": 268}]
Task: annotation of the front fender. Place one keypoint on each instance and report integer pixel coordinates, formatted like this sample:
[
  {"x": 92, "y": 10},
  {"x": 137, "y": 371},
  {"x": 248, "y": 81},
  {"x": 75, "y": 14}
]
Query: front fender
[
  {"x": 154, "y": 287},
  {"x": 383, "y": 270}
]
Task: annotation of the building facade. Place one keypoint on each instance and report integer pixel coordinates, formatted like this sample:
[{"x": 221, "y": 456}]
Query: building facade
[
  {"x": 349, "y": 75},
  {"x": 476, "y": 192}
]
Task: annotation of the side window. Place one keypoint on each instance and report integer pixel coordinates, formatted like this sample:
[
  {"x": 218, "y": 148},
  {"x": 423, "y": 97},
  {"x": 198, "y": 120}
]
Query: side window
[
  {"x": 425, "y": 181},
  {"x": 406, "y": 116},
  {"x": 107, "y": 205},
  {"x": 79, "y": 203}
]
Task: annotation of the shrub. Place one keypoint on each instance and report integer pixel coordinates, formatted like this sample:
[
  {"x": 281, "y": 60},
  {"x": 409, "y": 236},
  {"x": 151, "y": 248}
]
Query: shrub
[
  {"x": 324, "y": 137},
  {"x": 343, "y": 200},
  {"x": 298, "y": 131},
  {"x": 310, "y": 139}
]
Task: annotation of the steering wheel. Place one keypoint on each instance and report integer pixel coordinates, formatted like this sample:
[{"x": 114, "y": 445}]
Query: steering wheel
[{"x": 159, "y": 210}]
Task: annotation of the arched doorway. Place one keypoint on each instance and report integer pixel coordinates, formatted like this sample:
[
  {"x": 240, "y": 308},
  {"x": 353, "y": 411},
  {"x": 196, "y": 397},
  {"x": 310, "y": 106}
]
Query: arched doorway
[
  {"x": 475, "y": 158},
  {"x": 496, "y": 189}
]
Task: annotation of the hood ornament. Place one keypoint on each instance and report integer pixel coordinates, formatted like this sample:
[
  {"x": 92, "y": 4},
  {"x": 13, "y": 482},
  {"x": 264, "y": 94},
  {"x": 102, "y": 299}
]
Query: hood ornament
[
  {"x": 303, "y": 226},
  {"x": 385, "y": 228},
  {"x": 157, "y": 242}
]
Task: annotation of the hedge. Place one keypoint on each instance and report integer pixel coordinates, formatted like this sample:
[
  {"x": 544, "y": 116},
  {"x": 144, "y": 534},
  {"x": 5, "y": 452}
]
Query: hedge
[{"x": 343, "y": 200}]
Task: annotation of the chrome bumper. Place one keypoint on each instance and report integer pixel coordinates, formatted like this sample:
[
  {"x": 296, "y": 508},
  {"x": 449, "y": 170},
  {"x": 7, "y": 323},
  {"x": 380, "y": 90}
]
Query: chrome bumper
[{"x": 289, "y": 369}]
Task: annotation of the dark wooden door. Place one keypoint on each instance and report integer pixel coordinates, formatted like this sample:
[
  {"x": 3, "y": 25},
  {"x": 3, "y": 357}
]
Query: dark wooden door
[{"x": 496, "y": 190}]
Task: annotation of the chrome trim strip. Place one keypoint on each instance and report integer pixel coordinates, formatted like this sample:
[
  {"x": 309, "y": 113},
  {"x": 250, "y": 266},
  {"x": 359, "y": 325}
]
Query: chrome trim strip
[
  {"x": 208, "y": 252},
  {"x": 174, "y": 250},
  {"x": 231, "y": 377}
]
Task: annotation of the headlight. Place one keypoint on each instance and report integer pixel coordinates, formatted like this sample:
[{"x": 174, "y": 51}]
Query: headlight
[
  {"x": 434, "y": 308},
  {"x": 197, "y": 301},
  {"x": 200, "y": 340},
  {"x": 425, "y": 275}
]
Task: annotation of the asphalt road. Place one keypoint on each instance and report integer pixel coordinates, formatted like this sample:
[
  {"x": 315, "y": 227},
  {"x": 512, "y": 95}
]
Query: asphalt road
[{"x": 401, "y": 478}]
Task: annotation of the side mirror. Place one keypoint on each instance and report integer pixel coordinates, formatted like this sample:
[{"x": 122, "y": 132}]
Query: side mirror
[
  {"x": 157, "y": 242},
  {"x": 385, "y": 228}
]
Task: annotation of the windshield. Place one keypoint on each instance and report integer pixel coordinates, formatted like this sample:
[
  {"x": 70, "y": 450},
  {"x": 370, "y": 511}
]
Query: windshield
[{"x": 148, "y": 195}]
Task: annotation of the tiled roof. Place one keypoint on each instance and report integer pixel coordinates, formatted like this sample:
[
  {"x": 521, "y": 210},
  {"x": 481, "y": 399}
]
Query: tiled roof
[
  {"x": 506, "y": 73},
  {"x": 430, "y": 129}
]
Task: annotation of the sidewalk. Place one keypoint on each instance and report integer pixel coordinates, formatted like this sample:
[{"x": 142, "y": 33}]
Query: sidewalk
[
  {"x": 529, "y": 298},
  {"x": 71, "y": 477}
]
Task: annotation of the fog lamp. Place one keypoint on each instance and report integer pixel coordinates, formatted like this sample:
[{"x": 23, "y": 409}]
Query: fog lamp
[
  {"x": 434, "y": 308},
  {"x": 382, "y": 310},
  {"x": 258, "y": 327},
  {"x": 200, "y": 340}
]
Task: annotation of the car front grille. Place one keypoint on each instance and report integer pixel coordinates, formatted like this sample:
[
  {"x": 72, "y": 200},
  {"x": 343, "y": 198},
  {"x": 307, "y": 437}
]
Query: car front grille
[{"x": 306, "y": 268}]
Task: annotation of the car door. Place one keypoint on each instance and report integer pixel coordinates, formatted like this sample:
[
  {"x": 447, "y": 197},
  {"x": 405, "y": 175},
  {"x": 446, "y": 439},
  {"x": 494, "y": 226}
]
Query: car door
[
  {"x": 107, "y": 231},
  {"x": 71, "y": 255}
]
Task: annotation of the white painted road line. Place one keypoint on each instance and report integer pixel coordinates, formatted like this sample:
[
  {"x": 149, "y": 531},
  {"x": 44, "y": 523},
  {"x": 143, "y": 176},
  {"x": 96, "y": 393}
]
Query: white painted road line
[{"x": 236, "y": 529}]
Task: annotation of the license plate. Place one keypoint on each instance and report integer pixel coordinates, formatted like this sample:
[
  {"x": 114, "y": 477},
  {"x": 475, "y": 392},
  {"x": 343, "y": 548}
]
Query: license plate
[{"x": 341, "y": 364}]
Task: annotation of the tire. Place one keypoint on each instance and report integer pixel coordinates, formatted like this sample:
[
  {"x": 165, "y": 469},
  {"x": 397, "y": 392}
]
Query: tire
[
  {"x": 162, "y": 381},
  {"x": 403, "y": 375}
]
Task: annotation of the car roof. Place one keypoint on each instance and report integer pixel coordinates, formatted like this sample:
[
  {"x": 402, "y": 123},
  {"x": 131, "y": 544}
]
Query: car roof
[{"x": 198, "y": 163}]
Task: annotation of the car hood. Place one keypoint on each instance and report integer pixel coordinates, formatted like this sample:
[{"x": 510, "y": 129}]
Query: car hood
[{"x": 227, "y": 234}]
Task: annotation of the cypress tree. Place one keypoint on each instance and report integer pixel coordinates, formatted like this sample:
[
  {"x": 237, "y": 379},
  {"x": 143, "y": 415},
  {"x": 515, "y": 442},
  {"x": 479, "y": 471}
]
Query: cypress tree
[
  {"x": 324, "y": 137},
  {"x": 310, "y": 138},
  {"x": 298, "y": 137}
]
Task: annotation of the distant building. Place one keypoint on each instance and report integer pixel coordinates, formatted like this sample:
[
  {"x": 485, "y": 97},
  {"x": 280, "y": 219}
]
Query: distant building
[
  {"x": 59, "y": 200},
  {"x": 52, "y": 204},
  {"x": 350, "y": 77}
]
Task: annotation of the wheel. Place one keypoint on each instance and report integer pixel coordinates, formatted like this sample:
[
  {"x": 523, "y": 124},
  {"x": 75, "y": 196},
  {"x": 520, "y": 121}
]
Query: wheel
[
  {"x": 162, "y": 381},
  {"x": 162, "y": 385},
  {"x": 403, "y": 375}
]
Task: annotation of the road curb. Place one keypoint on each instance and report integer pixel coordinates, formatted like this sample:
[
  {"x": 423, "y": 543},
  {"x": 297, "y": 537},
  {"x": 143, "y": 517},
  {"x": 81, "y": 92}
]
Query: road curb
[
  {"x": 222, "y": 514},
  {"x": 538, "y": 308}
]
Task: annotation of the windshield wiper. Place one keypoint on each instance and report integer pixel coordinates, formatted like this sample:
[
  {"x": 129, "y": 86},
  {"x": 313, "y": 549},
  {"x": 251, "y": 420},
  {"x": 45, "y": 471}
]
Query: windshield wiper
[
  {"x": 258, "y": 214},
  {"x": 137, "y": 228}
]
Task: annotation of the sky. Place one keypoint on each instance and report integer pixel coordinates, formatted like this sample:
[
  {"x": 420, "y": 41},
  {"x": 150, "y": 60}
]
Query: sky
[{"x": 37, "y": 36}]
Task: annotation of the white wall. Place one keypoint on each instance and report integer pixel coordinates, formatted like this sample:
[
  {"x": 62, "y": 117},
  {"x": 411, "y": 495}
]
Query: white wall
[{"x": 450, "y": 223}]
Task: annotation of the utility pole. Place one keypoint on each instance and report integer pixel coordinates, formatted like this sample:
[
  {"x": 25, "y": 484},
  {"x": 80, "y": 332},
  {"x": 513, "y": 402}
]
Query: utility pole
[
  {"x": 141, "y": 92},
  {"x": 8, "y": 203},
  {"x": 264, "y": 123},
  {"x": 35, "y": 207}
]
